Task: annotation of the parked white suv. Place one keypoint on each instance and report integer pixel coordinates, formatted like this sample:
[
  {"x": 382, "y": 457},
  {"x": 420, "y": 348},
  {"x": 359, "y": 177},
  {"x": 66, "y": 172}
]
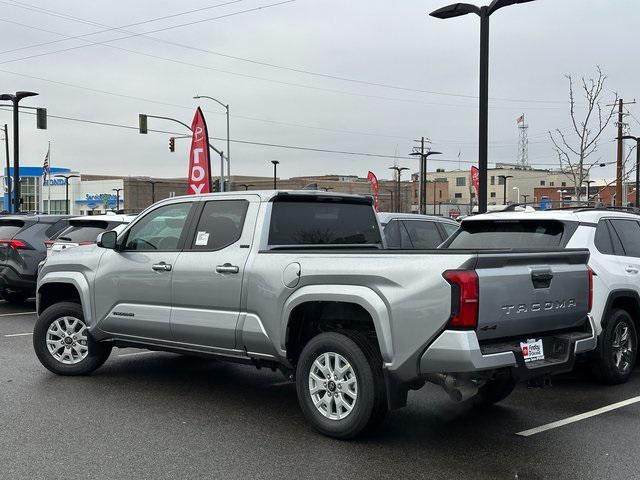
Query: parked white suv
[{"x": 613, "y": 239}]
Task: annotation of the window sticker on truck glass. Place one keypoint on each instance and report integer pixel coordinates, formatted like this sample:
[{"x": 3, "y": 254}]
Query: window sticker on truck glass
[
  {"x": 532, "y": 350},
  {"x": 202, "y": 238}
]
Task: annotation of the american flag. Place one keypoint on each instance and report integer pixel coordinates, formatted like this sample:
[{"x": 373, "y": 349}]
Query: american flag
[
  {"x": 520, "y": 119},
  {"x": 45, "y": 166}
]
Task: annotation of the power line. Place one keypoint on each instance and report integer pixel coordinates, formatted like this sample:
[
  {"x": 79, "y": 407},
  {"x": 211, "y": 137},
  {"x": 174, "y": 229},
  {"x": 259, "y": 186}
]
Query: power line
[
  {"x": 242, "y": 59},
  {"x": 90, "y": 43},
  {"x": 109, "y": 29},
  {"x": 245, "y": 142}
]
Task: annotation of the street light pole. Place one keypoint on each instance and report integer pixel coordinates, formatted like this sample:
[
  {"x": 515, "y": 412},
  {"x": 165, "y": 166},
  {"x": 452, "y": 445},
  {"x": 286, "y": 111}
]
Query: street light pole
[
  {"x": 390, "y": 190},
  {"x": 399, "y": 171},
  {"x": 66, "y": 188},
  {"x": 117, "y": 190},
  {"x": 588, "y": 182},
  {"x": 15, "y": 99},
  {"x": 226, "y": 107},
  {"x": 525, "y": 196},
  {"x": 8, "y": 177},
  {"x": 275, "y": 173},
  {"x": 504, "y": 185},
  {"x": 153, "y": 189},
  {"x": 457, "y": 10},
  {"x": 637, "y": 139}
]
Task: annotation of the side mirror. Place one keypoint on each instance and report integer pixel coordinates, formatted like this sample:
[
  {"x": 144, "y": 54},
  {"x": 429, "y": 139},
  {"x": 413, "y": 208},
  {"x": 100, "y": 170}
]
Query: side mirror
[{"x": 108, "y": 240}]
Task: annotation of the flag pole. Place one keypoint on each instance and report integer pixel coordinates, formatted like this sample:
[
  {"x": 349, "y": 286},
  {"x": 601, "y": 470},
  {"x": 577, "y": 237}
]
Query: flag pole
[{"x": 49, "y": 182}]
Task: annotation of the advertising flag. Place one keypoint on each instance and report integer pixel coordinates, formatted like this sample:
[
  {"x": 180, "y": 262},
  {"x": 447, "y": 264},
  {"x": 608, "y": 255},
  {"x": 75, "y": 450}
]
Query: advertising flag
[
  {"x": 375, "y": 187},
  {"x": 199, "y": 159},
  {"x": 475, "y": 179}
]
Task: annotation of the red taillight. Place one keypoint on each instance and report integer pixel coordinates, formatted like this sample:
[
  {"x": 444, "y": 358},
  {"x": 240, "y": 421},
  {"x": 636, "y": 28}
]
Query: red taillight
[
  {"x": 466, "y": 294},
  {"x": 590, "y": 280},
  {"x": 15, "y": 244}
]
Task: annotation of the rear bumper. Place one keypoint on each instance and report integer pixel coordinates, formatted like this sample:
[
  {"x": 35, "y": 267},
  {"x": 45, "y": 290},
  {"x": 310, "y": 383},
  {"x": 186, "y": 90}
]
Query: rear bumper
[
  {"x": 10, "y": 279},
  {"x": 456, "y": 351}
]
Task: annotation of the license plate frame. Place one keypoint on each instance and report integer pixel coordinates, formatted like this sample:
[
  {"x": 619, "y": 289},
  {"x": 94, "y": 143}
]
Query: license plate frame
[{"x": 532, "y": 350}]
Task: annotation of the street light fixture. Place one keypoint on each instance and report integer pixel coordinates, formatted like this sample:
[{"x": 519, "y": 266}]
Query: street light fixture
[
  {"x": 504, "y": 186},
  {"x": 525, "y": 196},
  {"x": 275, "y": 173},
  {"x": 245, "y": 185},
  {"x": 399, "y": 171},
  {"x": 66, "y": 187},
  {"x": 637, "y": 139},
  {"x": 117, "y": 190},
  {"x": 422, "y": 201},
  {"x": 15, "y": 99},
  {"x": 226, "y": 107},
  {"x": 457, "y": 10}
]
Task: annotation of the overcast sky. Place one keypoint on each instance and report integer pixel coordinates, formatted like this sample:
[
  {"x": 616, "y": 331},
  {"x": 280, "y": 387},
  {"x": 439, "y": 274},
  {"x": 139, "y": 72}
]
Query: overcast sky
[{"x": 387, "y": 42}]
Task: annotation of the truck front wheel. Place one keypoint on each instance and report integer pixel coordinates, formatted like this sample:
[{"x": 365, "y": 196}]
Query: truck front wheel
[
  {"x": 340, "y": 384},
  {"x": 63, "y": 344}
]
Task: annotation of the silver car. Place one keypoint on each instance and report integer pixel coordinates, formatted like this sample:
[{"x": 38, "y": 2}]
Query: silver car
[{"x": 415, "y": 232}]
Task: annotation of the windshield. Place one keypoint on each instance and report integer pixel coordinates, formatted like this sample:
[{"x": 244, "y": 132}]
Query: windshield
[{"x": 511, "y": 234}]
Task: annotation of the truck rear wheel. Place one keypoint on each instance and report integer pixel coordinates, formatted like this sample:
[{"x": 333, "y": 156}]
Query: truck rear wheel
[
  {"x": 63, "y": 344},
  {"x": 618, "y": 349},
  {"x": 340, "y": 384}
]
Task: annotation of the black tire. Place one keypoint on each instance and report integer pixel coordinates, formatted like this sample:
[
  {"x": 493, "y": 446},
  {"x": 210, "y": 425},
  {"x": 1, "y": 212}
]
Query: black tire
[
  {"x": 606, "y": 366},
  {"x": 97, "y": 352},
  {"x": 370, "y": 406},
  {"x": 495, "y": 390},
  {"x": 15, "y": 297}
]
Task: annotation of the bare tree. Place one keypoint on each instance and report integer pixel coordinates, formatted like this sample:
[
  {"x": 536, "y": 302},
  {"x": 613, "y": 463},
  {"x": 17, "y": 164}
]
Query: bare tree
[{"x": 575, "y": 148}]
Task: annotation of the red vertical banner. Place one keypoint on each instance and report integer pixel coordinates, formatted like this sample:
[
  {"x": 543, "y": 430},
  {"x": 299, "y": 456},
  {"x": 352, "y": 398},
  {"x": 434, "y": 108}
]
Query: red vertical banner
[
  {"x": 475, "y": 179},
  {"x": 375, "y": 187},
  {"x": 199, "y": 159}
]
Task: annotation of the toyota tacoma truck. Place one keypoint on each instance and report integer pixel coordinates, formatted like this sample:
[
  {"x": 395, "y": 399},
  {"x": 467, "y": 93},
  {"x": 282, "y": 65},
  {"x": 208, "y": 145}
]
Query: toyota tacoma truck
[{"x": 301, "y": 281}]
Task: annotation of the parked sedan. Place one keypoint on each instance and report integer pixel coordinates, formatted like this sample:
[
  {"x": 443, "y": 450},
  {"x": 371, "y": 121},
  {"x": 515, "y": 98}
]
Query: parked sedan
[
  {"x": 22, "y": 248},
  {"x": 411, "y": 231},
  {"x": 85, "y": 230}
]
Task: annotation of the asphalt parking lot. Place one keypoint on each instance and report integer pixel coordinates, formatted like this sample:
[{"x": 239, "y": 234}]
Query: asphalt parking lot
[{"x": 160, "y": 415}]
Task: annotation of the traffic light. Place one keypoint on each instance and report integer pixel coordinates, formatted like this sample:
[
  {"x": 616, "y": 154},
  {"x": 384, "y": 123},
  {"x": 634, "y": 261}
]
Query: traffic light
[
  {"x": 41, "y": 118},
  {"x": 172, "y": 144},
  {"x": 142, "y": 123}
]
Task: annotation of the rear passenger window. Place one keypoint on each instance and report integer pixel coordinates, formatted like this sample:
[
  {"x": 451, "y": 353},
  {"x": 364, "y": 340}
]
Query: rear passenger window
[
  {"x": 602, "y": 239},
  {"x": 396, "y": 235},
  {"x": 423, "y": 234},
  {"x": 629, "y": 233},
  {"x": 220, "y": 224},
  {"x": 449, "y": 228}
]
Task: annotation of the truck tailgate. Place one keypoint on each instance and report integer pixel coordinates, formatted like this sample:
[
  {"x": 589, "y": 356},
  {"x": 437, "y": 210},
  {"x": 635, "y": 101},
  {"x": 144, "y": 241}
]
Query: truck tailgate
[{"x": 531, "y": 293}]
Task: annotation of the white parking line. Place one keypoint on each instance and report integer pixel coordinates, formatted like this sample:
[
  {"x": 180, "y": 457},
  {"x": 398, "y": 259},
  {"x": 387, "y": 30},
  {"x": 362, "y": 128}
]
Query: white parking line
[
  {"x": 19, "y": 334},
  {"x": 16, "y": 313},
  {"x": 136, "y": 353},
  {"x": 577, "y": 418}
]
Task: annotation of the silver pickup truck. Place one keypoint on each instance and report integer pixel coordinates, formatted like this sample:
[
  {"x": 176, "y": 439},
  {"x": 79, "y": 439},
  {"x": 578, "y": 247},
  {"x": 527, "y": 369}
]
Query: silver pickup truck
[{"x": 302, "y": 282}]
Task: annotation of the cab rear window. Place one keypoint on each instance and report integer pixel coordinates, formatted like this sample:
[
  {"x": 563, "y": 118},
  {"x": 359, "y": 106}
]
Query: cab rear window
[{"x": 511, "y": 234}]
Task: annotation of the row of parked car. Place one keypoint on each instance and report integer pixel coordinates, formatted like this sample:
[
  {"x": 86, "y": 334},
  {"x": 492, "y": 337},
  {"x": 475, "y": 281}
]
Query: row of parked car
[
  {"x": 357, "y": 309},
  {"x": 26, "y": 240}
]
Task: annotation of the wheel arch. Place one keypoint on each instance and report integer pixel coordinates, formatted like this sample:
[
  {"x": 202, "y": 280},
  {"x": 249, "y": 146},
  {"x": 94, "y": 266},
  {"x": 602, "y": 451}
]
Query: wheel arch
[
  {"x": 55, "y": 288},
  {"x": 356, "y": 299},
  {"x": 627, "y": 300}
]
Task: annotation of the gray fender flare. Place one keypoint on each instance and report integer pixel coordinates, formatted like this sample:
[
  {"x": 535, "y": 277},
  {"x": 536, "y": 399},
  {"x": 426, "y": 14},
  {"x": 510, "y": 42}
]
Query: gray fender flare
[
  {"x": 363, "y": 296},
  {"x": 81, "y": 284}
]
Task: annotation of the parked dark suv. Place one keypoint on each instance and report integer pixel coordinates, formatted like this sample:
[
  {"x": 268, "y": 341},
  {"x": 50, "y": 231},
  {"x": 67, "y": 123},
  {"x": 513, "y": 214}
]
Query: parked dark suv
[{"x": 22, "y": 248}]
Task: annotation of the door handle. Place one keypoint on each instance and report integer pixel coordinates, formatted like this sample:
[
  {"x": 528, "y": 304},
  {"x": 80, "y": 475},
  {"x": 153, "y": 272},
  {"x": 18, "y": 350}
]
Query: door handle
[
  {"x": 227, "y": 268},
  {"x": 161, "y": 267},
  {"x": 630, "y": 269}
]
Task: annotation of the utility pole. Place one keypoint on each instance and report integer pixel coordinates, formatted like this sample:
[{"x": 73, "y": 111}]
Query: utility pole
[{"x": 620, "y": 153}]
